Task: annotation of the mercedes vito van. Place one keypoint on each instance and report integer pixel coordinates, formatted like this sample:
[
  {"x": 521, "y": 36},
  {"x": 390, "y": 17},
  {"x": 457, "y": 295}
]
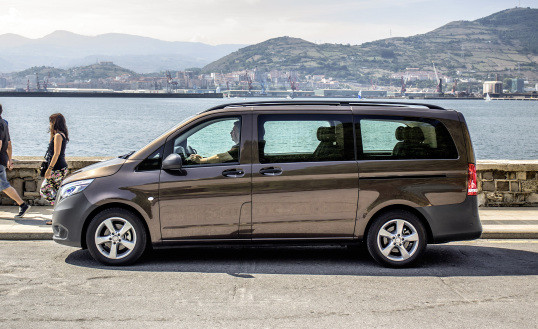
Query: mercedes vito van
[{"x": 396, "y": 176}]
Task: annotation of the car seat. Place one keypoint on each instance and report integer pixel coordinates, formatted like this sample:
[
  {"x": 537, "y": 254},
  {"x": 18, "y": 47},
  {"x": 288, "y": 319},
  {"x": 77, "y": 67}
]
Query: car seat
[
  {"x": 413, "y": 146},
  {"x": 327, "y": 148}
]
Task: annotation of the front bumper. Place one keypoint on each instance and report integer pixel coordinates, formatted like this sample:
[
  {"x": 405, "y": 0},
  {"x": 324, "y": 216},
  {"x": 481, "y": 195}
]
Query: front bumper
[{"x": 68, "y": 219}]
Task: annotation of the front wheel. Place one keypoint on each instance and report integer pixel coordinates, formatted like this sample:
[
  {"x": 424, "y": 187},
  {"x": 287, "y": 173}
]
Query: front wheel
[
  {"x": 116, "y": 237},
  {"x": 396, "y": 238}
]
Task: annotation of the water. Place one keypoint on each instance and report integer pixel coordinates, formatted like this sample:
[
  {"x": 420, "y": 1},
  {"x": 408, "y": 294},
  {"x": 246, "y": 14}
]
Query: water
[{"x": 115, "y": 126}]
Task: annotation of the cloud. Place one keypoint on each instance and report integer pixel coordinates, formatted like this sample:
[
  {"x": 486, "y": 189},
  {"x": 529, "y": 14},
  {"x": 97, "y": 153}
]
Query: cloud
[
  {"x": 13, "y": 12},
  {"x": 242, "y": 21}
]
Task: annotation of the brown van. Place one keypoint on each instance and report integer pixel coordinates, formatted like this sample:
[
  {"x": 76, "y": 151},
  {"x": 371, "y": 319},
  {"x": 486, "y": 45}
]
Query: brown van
[{"x": 393, "y": 175}]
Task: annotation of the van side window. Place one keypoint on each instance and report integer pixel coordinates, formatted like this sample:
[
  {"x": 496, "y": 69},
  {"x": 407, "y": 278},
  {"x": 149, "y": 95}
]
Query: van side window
[
  {"x": 211, "y": 142},
  {"x": 305, "y": 138},
  {"x": 403, "y": 138}
]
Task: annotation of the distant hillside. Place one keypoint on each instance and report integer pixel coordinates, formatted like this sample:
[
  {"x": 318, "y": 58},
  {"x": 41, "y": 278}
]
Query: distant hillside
[
  {"x": 64, "y": 49},
  {"x": 501, "y": 42},
  {"x": 85, "y": 73},
  {"x": 287, "y": 53}
]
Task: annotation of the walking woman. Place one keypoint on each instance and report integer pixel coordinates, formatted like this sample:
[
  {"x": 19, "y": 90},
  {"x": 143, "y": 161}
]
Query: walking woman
[{"x": 59, "y": 136}]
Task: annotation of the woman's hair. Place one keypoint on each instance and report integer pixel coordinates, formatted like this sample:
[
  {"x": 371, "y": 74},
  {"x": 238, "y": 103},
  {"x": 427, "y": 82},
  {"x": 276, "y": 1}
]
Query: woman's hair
[{"x": 57, "y": 121}]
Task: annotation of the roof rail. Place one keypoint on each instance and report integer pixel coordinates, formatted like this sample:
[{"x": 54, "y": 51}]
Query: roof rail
[
  {"x": 320, "y": 102},
  {"x": 402, "y": 104}
]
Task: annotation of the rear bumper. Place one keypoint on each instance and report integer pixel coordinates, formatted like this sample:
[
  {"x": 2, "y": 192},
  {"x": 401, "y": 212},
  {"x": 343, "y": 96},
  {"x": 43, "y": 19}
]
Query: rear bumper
[{"x": 454, "y": 222}]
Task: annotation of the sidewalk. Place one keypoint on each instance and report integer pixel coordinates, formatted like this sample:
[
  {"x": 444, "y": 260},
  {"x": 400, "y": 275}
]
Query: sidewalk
[{"x": 497, "y": 223}]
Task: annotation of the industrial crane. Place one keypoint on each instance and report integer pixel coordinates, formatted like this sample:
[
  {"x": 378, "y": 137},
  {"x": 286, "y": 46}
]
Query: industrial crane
[
  {"x": 38, "y": 85},
  {"x": 46, "y": 82},
  {"x": 373, "y": 85},
  {"x": 170, "y": 83},
  {"x": 440, "y": 84},
  {"x": 293, "y": 84},
  {"x": 249, "y": 81}
]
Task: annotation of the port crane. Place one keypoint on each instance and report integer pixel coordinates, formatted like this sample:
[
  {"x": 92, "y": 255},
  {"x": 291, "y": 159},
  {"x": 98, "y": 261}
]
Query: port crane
[
  {"x": 46, "y": 83},
  {"x": 373, "y": 84},
  {"x": 293, "y": 84},
  {"x": 249, "y": 81},
  {"x": 38, "y": 85},
  {"x": 440, "y": 81},
  {"x": 402, "y": 91},
  {"x": 170, "y": 83}
]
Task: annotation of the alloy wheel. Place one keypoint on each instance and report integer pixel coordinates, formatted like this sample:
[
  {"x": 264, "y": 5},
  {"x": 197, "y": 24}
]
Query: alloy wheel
[
  {"x": 398, "y": 240},
  {"x": 115, "y": 238}
]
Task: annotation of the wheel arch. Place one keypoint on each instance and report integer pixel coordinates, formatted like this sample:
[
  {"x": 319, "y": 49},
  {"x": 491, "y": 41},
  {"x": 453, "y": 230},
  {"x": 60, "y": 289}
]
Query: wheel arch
[
  {"x": 414, "y": 211},
  {"x": 110, "y": 206}
]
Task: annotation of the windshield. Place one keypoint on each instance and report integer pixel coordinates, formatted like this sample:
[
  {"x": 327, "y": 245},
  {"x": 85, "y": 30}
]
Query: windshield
[{"x": 166, "y": 133}]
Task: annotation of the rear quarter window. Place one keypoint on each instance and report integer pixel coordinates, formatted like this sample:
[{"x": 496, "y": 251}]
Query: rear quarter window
[{"x": 397, "y": 138}]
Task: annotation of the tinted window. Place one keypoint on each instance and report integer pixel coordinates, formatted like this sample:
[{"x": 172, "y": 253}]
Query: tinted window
[
  {"x": 383, "y": 138},
  {"x": 211, "y": 142},
  {"x": 305, "y": 138}
]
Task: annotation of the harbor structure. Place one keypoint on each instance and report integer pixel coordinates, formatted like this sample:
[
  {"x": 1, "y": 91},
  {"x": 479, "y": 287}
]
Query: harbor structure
[
  {"x": 493, "y": 87},
  {"x": 518, "y": 85}
]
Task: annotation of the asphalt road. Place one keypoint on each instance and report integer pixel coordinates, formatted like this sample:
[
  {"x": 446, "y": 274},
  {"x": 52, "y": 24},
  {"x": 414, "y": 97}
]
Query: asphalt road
[{"x": 477, "y": 284}]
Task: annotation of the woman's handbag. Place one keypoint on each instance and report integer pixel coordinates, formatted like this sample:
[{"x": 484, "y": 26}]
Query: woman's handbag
[{"x": 44, "y": 165}]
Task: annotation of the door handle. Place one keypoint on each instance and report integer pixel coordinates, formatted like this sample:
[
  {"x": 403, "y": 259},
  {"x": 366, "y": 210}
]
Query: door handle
[
  {"x": 233, "y": 173},
  {"x": 271, "y": 171}
]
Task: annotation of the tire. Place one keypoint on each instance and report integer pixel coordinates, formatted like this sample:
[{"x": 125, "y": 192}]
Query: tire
[
  {"x": 116, "y": 237},
  {"x": 396, "y": 239}
]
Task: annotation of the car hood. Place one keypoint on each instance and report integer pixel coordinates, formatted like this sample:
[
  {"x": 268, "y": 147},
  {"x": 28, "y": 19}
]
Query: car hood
[{"x": 99, "y": 169}]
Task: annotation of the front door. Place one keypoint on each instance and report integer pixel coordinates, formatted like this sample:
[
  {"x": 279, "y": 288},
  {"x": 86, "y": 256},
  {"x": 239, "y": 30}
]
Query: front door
[
  {"x": 305, "y": 183},
  {"x": 211, "y": 196}
]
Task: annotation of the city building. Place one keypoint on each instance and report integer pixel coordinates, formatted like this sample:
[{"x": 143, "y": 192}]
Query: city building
[{"x": 518, "y": 85}]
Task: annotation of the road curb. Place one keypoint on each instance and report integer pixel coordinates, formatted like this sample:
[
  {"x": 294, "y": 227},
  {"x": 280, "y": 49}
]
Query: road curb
[
  {"x": 26, "y": 236},
  {"x": 509, "y": 235}
]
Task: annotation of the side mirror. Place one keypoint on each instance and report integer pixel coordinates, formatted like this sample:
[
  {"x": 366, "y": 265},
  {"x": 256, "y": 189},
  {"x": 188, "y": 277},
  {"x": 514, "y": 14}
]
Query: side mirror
[{"x": 172, "y": 162}]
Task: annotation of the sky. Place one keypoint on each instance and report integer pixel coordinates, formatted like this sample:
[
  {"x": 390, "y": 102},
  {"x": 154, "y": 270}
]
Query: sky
[{"x": 244, "y": 21}]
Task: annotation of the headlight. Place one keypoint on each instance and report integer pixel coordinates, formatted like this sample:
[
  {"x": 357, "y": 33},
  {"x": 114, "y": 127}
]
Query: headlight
[{"x": 74, "y": 188}]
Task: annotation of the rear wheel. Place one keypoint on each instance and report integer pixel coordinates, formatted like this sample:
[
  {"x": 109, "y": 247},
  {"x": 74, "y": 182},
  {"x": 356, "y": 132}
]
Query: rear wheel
[
  {"x": 116, "y": 237},
  {"x": 396, "y": 238}
]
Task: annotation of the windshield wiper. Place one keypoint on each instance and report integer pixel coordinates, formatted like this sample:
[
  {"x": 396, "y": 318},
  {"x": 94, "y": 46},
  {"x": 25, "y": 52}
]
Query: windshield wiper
[{"x": 126, "y": 156}]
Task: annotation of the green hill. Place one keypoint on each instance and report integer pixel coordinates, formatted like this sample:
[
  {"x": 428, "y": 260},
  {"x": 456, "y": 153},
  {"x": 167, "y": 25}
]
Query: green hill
[
  {"x": 101, "y": 70},
  {"x": 500, "y": 43}
]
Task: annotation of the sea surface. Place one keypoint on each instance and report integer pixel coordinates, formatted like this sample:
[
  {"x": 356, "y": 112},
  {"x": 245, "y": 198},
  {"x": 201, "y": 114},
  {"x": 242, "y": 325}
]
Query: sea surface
[{"x": 115, "y": 126}]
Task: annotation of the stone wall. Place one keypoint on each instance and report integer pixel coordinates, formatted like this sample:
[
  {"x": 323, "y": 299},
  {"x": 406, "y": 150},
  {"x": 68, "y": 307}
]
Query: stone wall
[
  {"x": 506, "y": 183},
  {"x": 501, "y": 183},
  {"x": 25, "y": 177}
]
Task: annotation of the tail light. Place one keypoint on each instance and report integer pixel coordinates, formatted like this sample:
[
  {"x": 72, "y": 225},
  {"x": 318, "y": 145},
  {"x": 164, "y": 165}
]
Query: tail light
[{"x": 472, "y": 187}]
